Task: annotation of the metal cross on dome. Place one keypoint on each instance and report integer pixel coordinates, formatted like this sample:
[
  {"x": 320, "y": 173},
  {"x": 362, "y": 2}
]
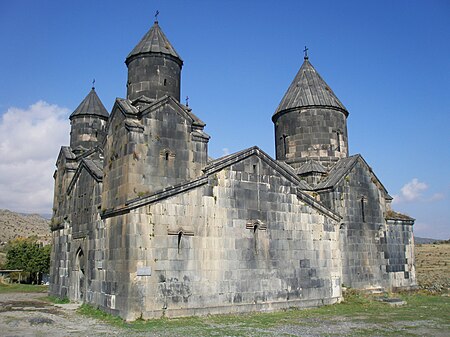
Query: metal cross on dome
[
  {"x": 156, "y": 15},
  {"x": 306, "y": 53}
]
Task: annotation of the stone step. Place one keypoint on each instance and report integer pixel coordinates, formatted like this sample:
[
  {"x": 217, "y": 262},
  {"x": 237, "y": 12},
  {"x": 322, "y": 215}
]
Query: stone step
[
  {"x": 374, "y": 291},
  {"x": 393, "y": 302}
]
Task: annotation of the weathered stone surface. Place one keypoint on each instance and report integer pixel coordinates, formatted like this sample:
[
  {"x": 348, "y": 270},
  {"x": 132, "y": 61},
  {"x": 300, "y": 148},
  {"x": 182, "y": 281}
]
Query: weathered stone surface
[{"x": 145, "y": 226}]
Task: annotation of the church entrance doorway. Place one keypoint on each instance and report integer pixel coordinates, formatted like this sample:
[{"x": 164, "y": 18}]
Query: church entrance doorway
[{"x": 79, "y": 277}]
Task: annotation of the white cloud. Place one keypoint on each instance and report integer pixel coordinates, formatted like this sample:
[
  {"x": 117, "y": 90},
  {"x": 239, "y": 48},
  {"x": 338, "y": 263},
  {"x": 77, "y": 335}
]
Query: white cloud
[
  {"x": 437, "y": 197},
  {"x": 411, "y": 191},
  {"x": 29, "y": 144}
]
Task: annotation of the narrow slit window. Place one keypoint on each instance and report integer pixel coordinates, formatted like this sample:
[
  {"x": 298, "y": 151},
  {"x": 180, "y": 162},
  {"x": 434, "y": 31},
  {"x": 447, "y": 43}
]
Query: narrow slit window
[
  {"x": 284, "y": 144},
  {"x": 165, "y": 82},
  {"x": 363, "y": 214},
  {"x": 167, "y": 155},
  {"x": 255, "y": 238},
  {"x": 338, "y": 136},
  {"x": 180, "y": 235}
]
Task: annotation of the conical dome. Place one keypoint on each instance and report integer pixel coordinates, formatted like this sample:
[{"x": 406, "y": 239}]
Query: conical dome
[
  {"x": 154, "y": 42},
  {"x": 91, "y": 106},
  {"x": 309, "y": 89},
  {"x": 88, "y": 123}
]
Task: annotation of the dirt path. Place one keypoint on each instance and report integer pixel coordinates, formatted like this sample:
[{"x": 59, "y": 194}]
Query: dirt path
[{"x": 27, "y": 315}]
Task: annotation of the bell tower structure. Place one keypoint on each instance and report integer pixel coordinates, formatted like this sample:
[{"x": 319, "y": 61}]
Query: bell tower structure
[
  {"x": 88, "y": 123},
  {"x": 154, "y": 67},
  {"x": 310, "y": 122}
]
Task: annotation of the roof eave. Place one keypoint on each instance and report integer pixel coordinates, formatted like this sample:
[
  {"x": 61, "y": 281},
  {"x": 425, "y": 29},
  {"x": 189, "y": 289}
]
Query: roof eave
[{"x": 279, "y": 113}]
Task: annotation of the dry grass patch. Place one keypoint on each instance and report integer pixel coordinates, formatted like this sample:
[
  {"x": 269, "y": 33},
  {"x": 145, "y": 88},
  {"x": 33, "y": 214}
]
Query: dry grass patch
[{"x": 433, "y": 267}]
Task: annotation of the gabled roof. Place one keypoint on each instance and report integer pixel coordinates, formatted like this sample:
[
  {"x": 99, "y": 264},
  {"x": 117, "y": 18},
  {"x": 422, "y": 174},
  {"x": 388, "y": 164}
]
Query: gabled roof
[
  {"x": 338, "y": 172},
  {"x": 95, "y": 167},
  {"x": 342, "y": 168},
  {"x": 92, "y": 166},
  {"x": 392, "y": 215},
  {"x": 311, "y": 166},
  {"x": 91, "y": 106},
  {"x": 67, "y": 158},
  {"x": 218, "y": 165},
  {"x": 140, "y": 110},
  {"x": 88, "y": 153},
  {"x": 67, "y": 153},
  {"x": 185, "y": 111},
  {"x": 284, "y": 169},
  {"x": 308, "y": 89},
  {"x": 154, "y": 42},
  {"x": 125, "y": 106}
]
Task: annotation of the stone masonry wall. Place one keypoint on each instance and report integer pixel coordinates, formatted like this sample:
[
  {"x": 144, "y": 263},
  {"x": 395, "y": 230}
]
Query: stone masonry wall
[
  {"x": 59, "y": 262},
  {"x": 76, "y": 241},
  {"x": 398, "y": 247},
  {"x": 62, "y": 177},
  {"x": 364, "y": 234},
  {"x": 87, "y": 131},
  {"x": 242, "y": 241},
  {"x": 154, "y": 76},
  {"x": 117, "y": 161},
  {"x": 313, "y": 133},
  {"x": 163, "y": 153},
  {"x": 360, "y": 202}
]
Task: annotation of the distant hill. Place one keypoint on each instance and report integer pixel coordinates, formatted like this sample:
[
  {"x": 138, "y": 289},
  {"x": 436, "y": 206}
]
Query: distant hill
[
  {"x": 14, "y": 225},
  {"x": 419, "y": 240}
]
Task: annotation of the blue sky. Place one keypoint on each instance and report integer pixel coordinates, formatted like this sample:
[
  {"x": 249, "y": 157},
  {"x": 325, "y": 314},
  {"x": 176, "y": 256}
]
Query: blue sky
[{"x": 387, "y": 61}]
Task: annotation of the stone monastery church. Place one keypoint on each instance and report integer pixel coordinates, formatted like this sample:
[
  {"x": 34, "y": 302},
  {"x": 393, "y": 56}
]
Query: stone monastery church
[{"x": 146, "y": 225}]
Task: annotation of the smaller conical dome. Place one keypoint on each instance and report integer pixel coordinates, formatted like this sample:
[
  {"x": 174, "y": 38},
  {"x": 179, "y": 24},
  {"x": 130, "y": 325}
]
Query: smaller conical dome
[
  {"x": 309, "y": 89},
  {"x": 154, "y": 42},
  {"x": 91, "y": 106}
]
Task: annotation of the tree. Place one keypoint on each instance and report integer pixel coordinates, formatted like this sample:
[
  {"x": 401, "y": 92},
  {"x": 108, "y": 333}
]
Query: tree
[{"x": 30, "y": 256}]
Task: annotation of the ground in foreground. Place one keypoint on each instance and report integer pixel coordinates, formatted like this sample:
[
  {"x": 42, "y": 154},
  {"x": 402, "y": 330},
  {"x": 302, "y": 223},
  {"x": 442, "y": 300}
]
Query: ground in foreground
[{"x": 25, "y": 314}]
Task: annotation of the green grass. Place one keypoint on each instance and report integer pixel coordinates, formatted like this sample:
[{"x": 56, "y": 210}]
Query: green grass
[
  {"x": 22, "y": 288},
  {"x": 55, "y": 299},
  {"x": 88, "y": 310},
  {"x": 370, "y": 317}
]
